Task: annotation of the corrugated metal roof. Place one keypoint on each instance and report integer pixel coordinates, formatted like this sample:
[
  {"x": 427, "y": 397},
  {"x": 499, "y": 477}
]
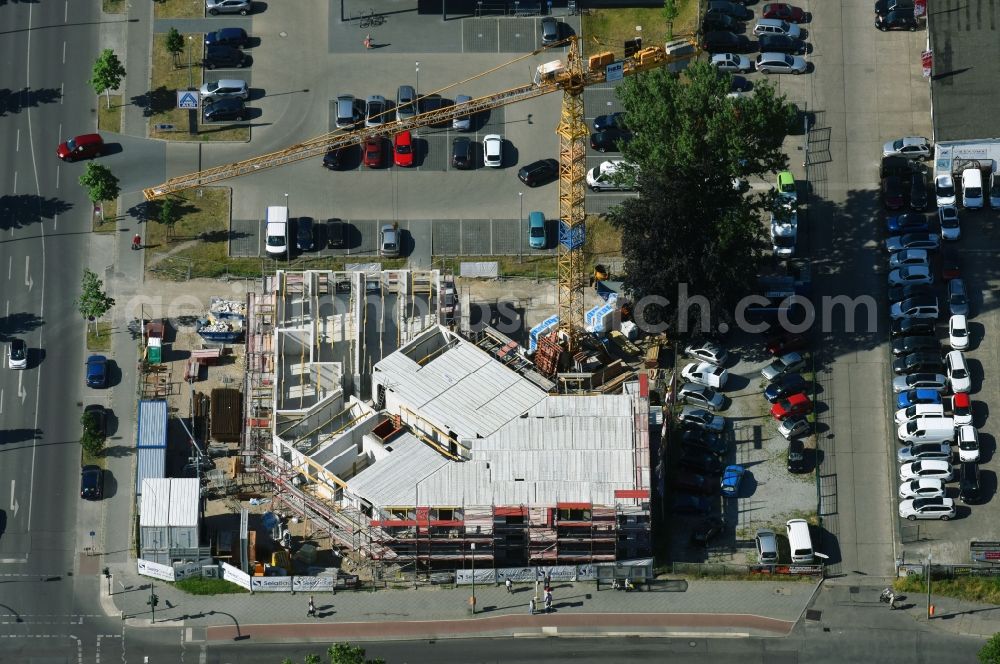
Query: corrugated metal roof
[
  {"x": 151, "y": 463},
  {"x": 393, "y": 480},
  {"x": 152, "y": 424},
  {"x": 169, "y": 502},
  {"x": 462, "y": 389}
]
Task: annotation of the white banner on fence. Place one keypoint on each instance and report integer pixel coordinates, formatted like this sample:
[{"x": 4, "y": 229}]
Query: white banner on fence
[
  {"x": 186, "y": 570},
  {"x": 271, "y": 584},
  {"x": 313, "y": 583},
  {"x": 155, "y": 570},
  {"x": 483, "y": 270},
  {"x": 235, "y": 575},
  {"x": 528, "y": 574}
]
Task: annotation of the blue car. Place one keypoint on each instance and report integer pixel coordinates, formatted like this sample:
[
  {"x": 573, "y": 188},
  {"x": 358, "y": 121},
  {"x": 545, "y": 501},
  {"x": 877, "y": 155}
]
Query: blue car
[
  {"x": 917, "y": 396},
  {"x": 97, "y": 371},
  {"x": 908, "y": 222},
  {"x": 731, "y": 479},
  {"x": 788, "y": 385},
  {"x": 536, "y": 230}
]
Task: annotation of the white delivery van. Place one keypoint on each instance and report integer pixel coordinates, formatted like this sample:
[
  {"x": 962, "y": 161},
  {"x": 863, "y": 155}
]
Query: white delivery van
[
  {"x": 799, "y": 541},
  {"x": 972, "y": 188},
  {"x": 276, "y": 230},
  {"x": 927, "y": 430}
]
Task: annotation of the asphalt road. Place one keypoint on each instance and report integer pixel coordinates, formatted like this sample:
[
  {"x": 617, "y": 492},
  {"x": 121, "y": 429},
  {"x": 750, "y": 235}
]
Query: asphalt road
[{"x": 44, "y": 235}]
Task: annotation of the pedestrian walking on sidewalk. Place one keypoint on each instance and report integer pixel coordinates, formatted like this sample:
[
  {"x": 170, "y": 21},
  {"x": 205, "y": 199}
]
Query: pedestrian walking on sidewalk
[
  {"x": 136, "y": 241},
  {"x": 531, "y": 606},
  {"x": 548, "y": 602},
  {"x": 368, "y": 41},
  {"x": 510, "y": 586},
  {"x": 312, "y": 608}
]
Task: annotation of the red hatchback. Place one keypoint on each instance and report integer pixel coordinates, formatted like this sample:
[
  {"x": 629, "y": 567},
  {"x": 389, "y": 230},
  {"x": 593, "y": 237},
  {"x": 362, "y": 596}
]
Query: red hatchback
[
  {"x": 784, "y": 12},
  {"x": 796, "y": 404},
  {"x": 403, "y": 149},
  {"x": 81, "y": 147},
  {"x": 780, "y": 344},
  {"x": 373, "y": 152}
]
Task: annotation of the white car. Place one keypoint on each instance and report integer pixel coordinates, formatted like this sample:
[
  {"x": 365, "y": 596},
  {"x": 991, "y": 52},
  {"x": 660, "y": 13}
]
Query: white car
[
  {"x": 927, "y": 508},
  {"x": 706, "y": 351},
  {"x": 732, "y": 62},
  {"x": 705, "y": 373},
  {"x": 780, "y": 63},
  {"x": 793, "y": 427},
  {"x": 919, "y": 410},
  {"x": 493, "y": 150},
  {"x": 958, "y": 372},
  {"x": 700, "y": 395},
  {"x": 701, "y": 419},
  {"x": 944, "y": 190},
  {"x": 897, "y": 243},
  {"x": 225, "y": 88},
  {"x": 784, "y": 233},
  {"x": 911, "y": 274},
  {"x": 958, "y": 332},
  {"x": 17, "y": 354},
  {"x": 610, "y": 176},
  {"x": 968, "y": 443},
  {"x": 948, "y": 218},
  {"x": 922, "y": 488},
  {"x": 912, "y": 147},
  {"x": 929, "y": 469},
  {"x": 908, "y": 257}
]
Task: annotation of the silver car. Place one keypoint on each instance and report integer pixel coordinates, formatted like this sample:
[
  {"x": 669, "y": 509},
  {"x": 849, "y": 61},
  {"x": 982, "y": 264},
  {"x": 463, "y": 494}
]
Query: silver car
[
  {"x": 215, "y": 7},
  {"x": 225, "y": 88},
  {"x": 700, "y": 395},
  {"x": 701, "y": 419},
  {"x": 780, "y": 63},
  {"x": 912, "y": 147},
  {"x": 375, "y": 111},
  {"x": 732, "y": 62},
  {"x": 388, "y": 241},
  {"x": 706, "y": 351},
  {"x": 406, "y": 102},
  {"x": 919, "y": 451},
  {"x": 958, "y": 300},
  {"x": 462, "y": 122}
]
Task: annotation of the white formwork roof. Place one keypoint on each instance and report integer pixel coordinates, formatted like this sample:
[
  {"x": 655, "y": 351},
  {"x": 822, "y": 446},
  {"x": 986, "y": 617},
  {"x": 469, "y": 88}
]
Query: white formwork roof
[
  {"x": 169, "y": 502},
  {"x": 392, "y": 481},
  {"x": 462, "y": 389}
]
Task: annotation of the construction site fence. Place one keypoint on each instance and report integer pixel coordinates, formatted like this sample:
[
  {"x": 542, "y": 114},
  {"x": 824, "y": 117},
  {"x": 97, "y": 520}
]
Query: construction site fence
[{"x": 733, "y": 570}]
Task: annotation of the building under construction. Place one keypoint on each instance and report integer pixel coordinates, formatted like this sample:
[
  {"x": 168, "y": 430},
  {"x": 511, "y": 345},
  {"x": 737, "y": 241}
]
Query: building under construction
[{"x": 414, "y": 444}]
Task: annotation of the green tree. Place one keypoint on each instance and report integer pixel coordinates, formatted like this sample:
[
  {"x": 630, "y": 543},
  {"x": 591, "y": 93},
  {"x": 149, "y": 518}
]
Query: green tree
[
  {"x": 345, "y": 653},
  {"x": 92, "y": 439},
  {"x": 990, "y": 652},
  {"x": 101, "y": 184},
  {"x": 691, "y": 227},
  {"x": 94, "y": 301},
  {"x": 175, "y": 46},
  {"x": 168, "y": 214},
  {"x": 669, "y": 12},
  {"x": 108, "y": 73}
]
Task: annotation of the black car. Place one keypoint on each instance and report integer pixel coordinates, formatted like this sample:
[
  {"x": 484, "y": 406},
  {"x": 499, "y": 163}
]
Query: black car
[
  {"x": 970, "y": 489},
  {"x": 685, "y": 503},
  {"x": 899, "y": 293},
  {"x": 901, "y": 19},
  {"x": 97, "y": 416},
  {"x": 336, "y": 233},
  {"x": 919, "y": 197},
  {"x": 717, "y": 21},
  {"x": 434, "y": 103},
  {"x": 227, "y": 37},
  {"x": 907, "y": 345},
  {"x": 91, "y": 482},
  {"x": 797, "y": 461},
  {"x": 609, "y": 139},
  {"x": 898, "y": 166},
  {"x": 918, "y": 363},
  {"x": 333, "y": 159},
  {"x": 718, "y": 41},
  {"x": 734, "y": 9},
  {"x": 461, "y": 153},
  {"x": 550, "y": 30},
  {"x": 304, "y": 234},
  {"x": 705, "y": 440},
  {"x": 700, "y": 461},
  {"x": 883, "y": 7},
  {"x": 790, "y": 384},
  {"x": 892, "y": 193},
  {"x": 225, "y": 109},
  {"x": 223, "y": 56},
  {"x": 908, "y": 327},
  {"x": 539, "y": 172},
  {"x": 695, "y": 483},
  {"x": 740, "y": 84},
  {"x": 782, "y": 44},
  {"x": 707, "y": 530},
  {"x": 612, "y": 121}
]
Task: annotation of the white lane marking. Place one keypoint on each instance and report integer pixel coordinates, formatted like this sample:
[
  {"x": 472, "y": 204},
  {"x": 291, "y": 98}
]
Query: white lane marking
[
  {"x": 21, "y": 392},
  {"x": 1, "y": 400},
  {"x": 17, "y": 141},
  {"x": 10, "y": 270},
  {"x": 62, "y": 95},
  {"x": 55, "y": 218},
  {"x": 64, "y": 53},
  {"x": 28, "y": 281},
  {"x": 13, "y": 500},
  {"x": 57, "y": 178},
  {"x": 66, "y": 12},
  {"x": 14, "y": 191}
]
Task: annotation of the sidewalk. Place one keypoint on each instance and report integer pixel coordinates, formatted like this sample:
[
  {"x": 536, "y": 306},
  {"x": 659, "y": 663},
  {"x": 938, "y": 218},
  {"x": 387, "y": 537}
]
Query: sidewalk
[{"x": 708, "y": 608}]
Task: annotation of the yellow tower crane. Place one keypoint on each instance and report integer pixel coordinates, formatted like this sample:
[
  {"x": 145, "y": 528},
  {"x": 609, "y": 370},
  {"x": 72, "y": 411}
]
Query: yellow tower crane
[{"x": 571, "y": 76}]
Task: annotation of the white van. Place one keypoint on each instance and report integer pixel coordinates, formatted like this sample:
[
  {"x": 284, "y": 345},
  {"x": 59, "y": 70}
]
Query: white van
[
  {"x": 276, "y": 230},
  {"x": 927, "y": 430},
  {"x": 799, "y": 541},
  {"x": 972, "y": 188}
]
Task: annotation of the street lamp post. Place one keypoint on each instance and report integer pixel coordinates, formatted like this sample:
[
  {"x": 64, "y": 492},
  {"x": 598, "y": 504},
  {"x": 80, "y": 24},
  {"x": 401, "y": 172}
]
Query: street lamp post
[
  {"x": 190, "y": 73},
  {"x": 473, "y": 546},
  {"x": 416, "y": 67},
  {"x": 520, "y": 228},
  {"x": 929, "y": 615}
]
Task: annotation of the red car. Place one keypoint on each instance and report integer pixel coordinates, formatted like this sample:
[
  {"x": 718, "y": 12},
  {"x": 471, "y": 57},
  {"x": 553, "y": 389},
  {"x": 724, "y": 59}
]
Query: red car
[
  {"x": 786, "y": 343},
  {"x": 784, "y": 12},
  {"x": 373, "y": 152},
  {"x": 892, "y": 193},
  {"x": 403, "y": 149},
  {"x": 796, "y": 404},
  {"x": 81, "y": 147}
]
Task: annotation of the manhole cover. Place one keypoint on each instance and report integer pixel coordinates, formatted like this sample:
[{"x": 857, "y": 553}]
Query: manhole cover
[
  {"x": 813, "y": 614},
  {"x": 854, "y": 590}
]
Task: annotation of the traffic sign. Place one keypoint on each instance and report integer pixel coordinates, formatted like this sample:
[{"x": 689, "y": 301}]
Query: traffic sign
[{"x": 187, "y": 99}]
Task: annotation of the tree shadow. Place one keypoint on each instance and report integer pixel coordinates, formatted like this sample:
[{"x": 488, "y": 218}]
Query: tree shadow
[
  {"x": 221, "y": 236},
  {"x": 8, "y": 436},
  {"x": 20, "y": 210},
  {"x": 150, "y": 210},
  {"x": 18, "y": 323},
  {"x": 155, "y": 102},
  {"x": 14, "y": 101}
]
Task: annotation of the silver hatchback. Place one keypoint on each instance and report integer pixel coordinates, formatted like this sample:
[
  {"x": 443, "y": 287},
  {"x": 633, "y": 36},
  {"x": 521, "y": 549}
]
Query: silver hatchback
[
  {"x": 242, "y": 7},
  {"x": 225, "y": 88}
]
